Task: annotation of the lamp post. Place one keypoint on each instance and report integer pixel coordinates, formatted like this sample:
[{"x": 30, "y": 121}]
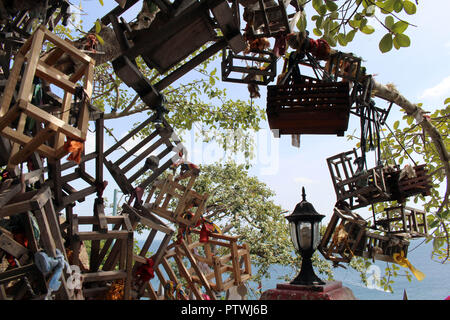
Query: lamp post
[{"x": 304, "y": 225}]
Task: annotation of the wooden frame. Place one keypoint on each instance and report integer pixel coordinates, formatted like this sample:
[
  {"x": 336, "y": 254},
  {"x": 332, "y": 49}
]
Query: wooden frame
[
  {"x": 344, "y": 66},
  {"x": 237, "y": 64},
  {"x": 144, "y": 153},
  {"x": 228, "y": 262},
  {"x": 40, "y": 204},
  {"x": 56, "y": 127},
  {"x": 173, "y": 200},
  {"x": 180, "y": 32},
  {"x": 121, "y": 233},
  {"x": 382, "y": 247},
  {"x": 406, "y": 187},
  {"x": 402, "y": 220},
  {"x": 309, "y": 107},
  {"x": 359, "y": 187},
  {"x": 265, "y": 14},
  {"x": 345, "y": 235},
  {"x": 60, "y": 175}
]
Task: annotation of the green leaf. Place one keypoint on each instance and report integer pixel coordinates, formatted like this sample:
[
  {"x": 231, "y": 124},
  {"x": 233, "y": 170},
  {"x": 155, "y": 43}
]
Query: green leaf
[
  {"x": 322, "y": 10},
  {"x": 331, "y": 5},
  {"x": 389, "y": 22},
  {"x": 301, "y": 24},
  {"x": 354, "y": 24},
  {"x": 387, "y": 6},
  {"x": 98, "y": 26},
  {"x": 349, "y": 37},
  {"x": 101, "y": 2},
  {"x": 342, "y": 39},
  {"x": 398, "y": 6},
  {"x": 317, "y": 4},
  {"x": 386, "y": 43},
  {"x": 317, "y": 32},
  {"x": 396, "y": 124},
  {"x": 367, "y": 29},
  {"x": 402, "y": 40},
  {"x": 399, "y": 27},
  {"x": 447, "y": 101},
  {"x": 370, "y": 10},
  {"x": 100, "y": 39},
  {"x": 410, "y": 120},
  {"x": 410, "y": 7}
]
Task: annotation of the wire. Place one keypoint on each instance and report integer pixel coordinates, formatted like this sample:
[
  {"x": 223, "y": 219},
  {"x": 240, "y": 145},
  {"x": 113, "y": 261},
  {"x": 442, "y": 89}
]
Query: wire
[{"x": 401, "y": 145}]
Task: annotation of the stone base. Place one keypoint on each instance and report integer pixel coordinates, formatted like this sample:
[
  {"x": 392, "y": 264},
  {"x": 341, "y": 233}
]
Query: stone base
[{"x": 329, "y": 291}]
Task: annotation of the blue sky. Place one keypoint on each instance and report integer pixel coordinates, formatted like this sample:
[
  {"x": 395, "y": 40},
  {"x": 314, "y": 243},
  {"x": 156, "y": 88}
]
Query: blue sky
[{"x": 421, "y": 73}]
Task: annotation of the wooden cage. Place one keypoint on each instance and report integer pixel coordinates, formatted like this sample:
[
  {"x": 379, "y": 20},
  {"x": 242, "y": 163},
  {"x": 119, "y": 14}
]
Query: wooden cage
[
  {"x": 344, "y": 66},
  {"x": 257, "y": 67},
  {"x": 359, "y": 187},
  {"x": 345, "y": 235},
  {"x": 220, "y": 256},
  {"x": 72, "y": 182},
  {"x": 100, "y": 273},
  {"x": 382, "y": 247},
  {"x": 180, "y": 30},
  {"x": 406, "y": 186},
  {"x": 309, "y": 107},
  {"x": 151, "y": 155},
  {"x": 43, "y": 235},
  {"x": 56, "y": 126},
  {"x": 269, "y": 19},
  {"x": 403, "y": 220},
  {"x": 175, "y": 202}
]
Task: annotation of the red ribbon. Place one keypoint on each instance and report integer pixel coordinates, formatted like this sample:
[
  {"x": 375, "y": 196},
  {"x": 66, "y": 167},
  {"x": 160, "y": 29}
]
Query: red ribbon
[{"x": 145, "y": 271}]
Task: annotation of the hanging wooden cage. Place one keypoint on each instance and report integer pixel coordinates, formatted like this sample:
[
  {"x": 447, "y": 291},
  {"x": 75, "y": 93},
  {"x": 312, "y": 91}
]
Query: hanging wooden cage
[
  {"x": 345, "y": 235},
  {"x": 175, "y": 202},
  {"x": 407, "y": 182},
  {"x": 153, "y": 154},
  {"x": 51, "y": 128},
  {"x": 259, "y": 67},
  {"x": 221, "y": 260},
  {"x": 181, "y": 31},
  {"x": 269, "y": 18},
  {"x": 360, "y": 187},
  {"x": 383, "y": 247},
  {"x": 309, "y": 107},
  {"x": 39, "y": 230},
  {"x": 343, "y": 66},
  {"x": 71, "y": 182},
  {"x": 104, "y": 266},
  {"x": 403, "y": 220}
]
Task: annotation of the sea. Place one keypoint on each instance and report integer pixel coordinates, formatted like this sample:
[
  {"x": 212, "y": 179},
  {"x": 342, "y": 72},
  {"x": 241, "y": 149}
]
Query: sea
[{"x": 435, "y": 285}]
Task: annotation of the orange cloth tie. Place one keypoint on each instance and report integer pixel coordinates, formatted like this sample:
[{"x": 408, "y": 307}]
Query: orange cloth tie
[
  {"x": 404, "y": 262},
  {"x": 75, "y": 148}
]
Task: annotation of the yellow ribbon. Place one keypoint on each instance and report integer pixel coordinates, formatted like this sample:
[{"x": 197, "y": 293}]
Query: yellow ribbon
[{"x": 400, "y": 259}]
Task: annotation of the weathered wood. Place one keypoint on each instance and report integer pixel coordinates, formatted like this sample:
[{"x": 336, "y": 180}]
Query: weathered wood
[
  {"x": 145, "y": 155},
  {"x": 310, "y": 107},
  {"x": 59, "y": 126}
]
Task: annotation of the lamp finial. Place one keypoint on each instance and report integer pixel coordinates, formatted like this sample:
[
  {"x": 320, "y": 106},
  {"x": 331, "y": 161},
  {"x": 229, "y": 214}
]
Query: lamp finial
[{"x": 303, "y": 194}]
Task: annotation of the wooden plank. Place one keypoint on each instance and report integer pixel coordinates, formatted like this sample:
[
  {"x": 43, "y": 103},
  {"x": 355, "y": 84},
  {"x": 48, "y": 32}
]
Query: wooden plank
[
  {"x": 104, "y": 276},
  {"x": 26, "y": 84},
  {"x": 17, "y": 137},
  {"x": 33, "y": 145},
  {"x": 66, "y": 46},
  {"x": 11, "y": 246},
  {"x": 10, "y": 87}
]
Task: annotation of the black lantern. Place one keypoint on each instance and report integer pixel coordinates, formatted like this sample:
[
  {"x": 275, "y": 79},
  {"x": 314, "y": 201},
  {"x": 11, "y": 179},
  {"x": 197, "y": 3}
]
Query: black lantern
[{"x": 304, "y": 225}]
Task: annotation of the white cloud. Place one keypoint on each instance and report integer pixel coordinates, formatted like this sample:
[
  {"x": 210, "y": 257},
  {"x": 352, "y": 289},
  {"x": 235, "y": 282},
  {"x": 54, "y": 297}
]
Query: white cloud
[{"x": 437, "y": 91}]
